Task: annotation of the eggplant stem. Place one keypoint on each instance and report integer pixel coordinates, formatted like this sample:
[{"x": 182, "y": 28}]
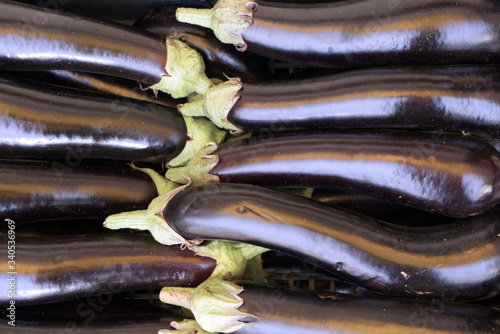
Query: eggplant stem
[
  {"x": 187, "y": 326},
  {"x": 185, "y": 71},
  {"x": 132, "y": 219},
  {"x": 201, "y": 17},
  {"x": 179, "y": 296},
  {"x": 228, "y": 19}
]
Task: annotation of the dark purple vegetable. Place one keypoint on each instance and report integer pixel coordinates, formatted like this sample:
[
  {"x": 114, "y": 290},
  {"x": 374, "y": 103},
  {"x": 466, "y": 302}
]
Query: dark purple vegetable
[
  {"x": 378, "y": 208},
  {"x": 220, "y": 59},
  {"x": 57, "y": 268},
  {"x": 440, "y": 172},
  {"x": 459, "y": 261},
  {"x": 42, "y": 121},
  {"x": 359, "y": 33},
  {"x": 113, "y": 9},
  {"x": 459, "y": 99},
  {"x": 106, "y": 314},
  {"x": 71, "y": 189},
  {"x": 281, "y": 310},
  {"x": 36, "y": 39},
  {"x": 100, "y": 84}
]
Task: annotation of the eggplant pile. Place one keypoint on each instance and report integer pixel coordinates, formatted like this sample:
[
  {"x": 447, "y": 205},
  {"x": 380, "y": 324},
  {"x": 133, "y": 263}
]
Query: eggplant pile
[{"x": 351, "y": 144}]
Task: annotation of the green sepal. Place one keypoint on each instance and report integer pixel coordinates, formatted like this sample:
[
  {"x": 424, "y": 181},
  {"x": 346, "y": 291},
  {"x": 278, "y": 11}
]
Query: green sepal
[
  {"x": 228, "y": 19},
  {"x": 185, "y": 71},
  {"x": 197, "y": 170},
  {"x": 187, "y": 326},
  {"x": 200, "y": 131},
  {"x": 151, "y": 220},
  {"x": 214, "y": 304},
  {"x": 216, "y": 104},
  {"x": 163, "y": 185}
]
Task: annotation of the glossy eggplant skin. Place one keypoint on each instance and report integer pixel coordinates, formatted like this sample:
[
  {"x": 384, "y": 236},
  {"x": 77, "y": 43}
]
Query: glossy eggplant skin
[
  {"x": 378, "y": 208},
  {"x": 376, "y": 33},
  {"x": 453, "y": 98},
  {"x": 221, "y": 60},
  {"x": 110, "y": 314},
  {"x": 36, "y": 39},
  {"x": 57, "y": 268},
  {"x": 40, "y": 191},
  {"x": 282, "y": 310},
  {"x": 42, "y": 121},
  {"x": 445, "y": 173},
  {"x": 446, "y": 261},
  {"x": 114, "y": 10},
  {"x": 99, "y": 83}
]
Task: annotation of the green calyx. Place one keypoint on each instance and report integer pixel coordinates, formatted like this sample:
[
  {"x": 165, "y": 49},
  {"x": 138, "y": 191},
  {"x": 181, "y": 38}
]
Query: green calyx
[
  {"x": 228, "y": 19},
  {"x": 200, "y": 132},
  {"x": 185, "y": 71},
  {"x": 215, "y": 302},
  {"x": 197, "y": 170},
  {"x": 187, "y": 326},
  {"x": 216, "y": 104},
  {"x": 152, "y": 218}
]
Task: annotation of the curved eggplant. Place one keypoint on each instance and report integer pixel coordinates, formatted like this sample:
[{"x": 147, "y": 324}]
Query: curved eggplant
[
  {"x": 115, "y": 10},
  {"x": 36, "y": 190},
  {"x": 57, "y": 268},
  {"x": 280, "y": 310},
  {"x": 363, "y": 33},
  {"x": 440, "y": 172},
  {"x": 459, "y": 261},
  {"x": 33, "y": 38},
  {"x": 459, "y": 99},
  {"x": 221, "y": 60},
  {"x": 41, "y": 121}
]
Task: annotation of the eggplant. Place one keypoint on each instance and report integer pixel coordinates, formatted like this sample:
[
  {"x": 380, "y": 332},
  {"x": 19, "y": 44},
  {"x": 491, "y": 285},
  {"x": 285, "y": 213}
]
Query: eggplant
[
  {"x": 112, "y": 9},
  {"x": 452, "y": 98},
  {"x": 459, "y": 261},
  {"x": 33, "y": 38},
  {"x": 281, "y": 310},
  {"x": 98, "y": 83},
  {"x": 362, "y": 33},
  {"x": 110, "y": 314},
  {"x": 44, "y": 190},
  {"x": 444, "y": 173},
  {"x": 50, "y": 268},
  {"x": 221, "y": 60},
  {"x": 42, "y": 121},
  {"x": 378, "y": 208}
]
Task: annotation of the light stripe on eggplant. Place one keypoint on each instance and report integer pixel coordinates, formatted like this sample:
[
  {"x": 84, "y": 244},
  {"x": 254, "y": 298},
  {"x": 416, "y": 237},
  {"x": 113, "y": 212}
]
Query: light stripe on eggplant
[
  {"x": 440, "y": 172},
  {"x": 57, "y": 268},
  {"x": 446, "y": 261},
  {"x": 42, "y": 121},
  {"x": 359, "y": 33}
]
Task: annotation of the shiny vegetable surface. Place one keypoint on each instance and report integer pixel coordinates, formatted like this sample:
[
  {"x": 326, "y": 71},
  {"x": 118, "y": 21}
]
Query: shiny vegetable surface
[
  {"x": 37, "y": 190},
  {"x": 54, "y": 268},
  {"x": 282, "y": 310},
  {"x": 446, "y": 261},
  {"x": 221, "y": 60},
  {"x": 360, "y": 33},
  {"x": 37, "y": 39},
  {"x": 446, "y": 173},
  {"x": 113, "y": 9},
  {"x": 457, "y": 99},
  {"x": 106, "y": 314},
  {"x": 48, "y": 122}
]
